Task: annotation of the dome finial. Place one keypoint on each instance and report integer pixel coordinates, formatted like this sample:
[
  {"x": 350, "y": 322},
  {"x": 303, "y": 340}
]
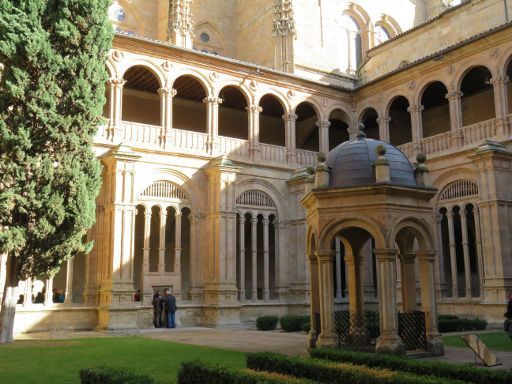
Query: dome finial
[{"x": 360, "y": 132}]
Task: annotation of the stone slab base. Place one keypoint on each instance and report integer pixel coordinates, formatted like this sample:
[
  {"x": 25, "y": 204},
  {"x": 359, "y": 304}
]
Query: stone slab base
[{"x": 55, "y": 319}]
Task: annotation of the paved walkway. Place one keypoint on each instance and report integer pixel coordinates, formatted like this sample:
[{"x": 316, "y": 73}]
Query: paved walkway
[{"x": 247, "y": 340}]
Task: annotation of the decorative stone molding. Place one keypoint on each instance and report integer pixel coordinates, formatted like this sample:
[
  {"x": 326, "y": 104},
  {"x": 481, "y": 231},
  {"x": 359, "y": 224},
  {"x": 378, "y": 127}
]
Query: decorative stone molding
[
  {"x": 180, "y": 26},
  {"x": 213, "y": 100},
  {"x": 284, "y": 22}
]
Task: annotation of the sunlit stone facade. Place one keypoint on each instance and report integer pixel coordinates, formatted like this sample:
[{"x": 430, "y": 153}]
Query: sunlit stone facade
[{"x": 215, "y": 109}]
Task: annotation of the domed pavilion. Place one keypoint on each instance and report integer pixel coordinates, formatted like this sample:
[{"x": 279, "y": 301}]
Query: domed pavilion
[{"x": 368, "y": 190}]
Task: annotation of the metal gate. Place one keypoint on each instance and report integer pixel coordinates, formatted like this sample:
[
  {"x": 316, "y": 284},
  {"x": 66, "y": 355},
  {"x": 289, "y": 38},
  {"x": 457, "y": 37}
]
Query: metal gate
[
  {"x": 411, "y": 329},
  {"x": 357, "y": 332}
]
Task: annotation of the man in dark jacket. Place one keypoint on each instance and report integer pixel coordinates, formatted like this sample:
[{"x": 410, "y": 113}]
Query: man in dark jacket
[
  {"x": 170, "y": 309},
  {"x": 158, "y": 304}
]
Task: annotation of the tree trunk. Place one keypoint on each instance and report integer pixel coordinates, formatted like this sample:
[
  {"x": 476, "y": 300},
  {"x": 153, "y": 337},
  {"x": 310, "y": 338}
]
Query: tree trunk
[{"x": 9, "y": 300}]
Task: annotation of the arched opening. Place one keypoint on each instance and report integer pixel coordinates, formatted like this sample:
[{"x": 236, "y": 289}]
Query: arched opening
[
  {"x": 369, "y": 119},
  {"x": 477, "y": 96},
  {"x": 188, "y": 108},
  {"x": 338, "y": 130},
  {"x": 352, "y": 50},
  {"x": 170, "y": 239},
  {"x": 436, "y": 113},
  {"x": 141, "y": 102},
  {"x": 459, "y": 251},
  {"x": 233, "y": 121},
  {"x": 400, "y": 128},
  {"x": 138, "y": 248},
  {"x": 307, "y": 134},
  {"x": 381, "y": 34},
  {"x": 472, "y": 251},
  {"x": 154, "y": 239},
  {"x": 272, "y": 128},
  {"x": 509, "y": 85},
  {"x": 445, "y": 252}
]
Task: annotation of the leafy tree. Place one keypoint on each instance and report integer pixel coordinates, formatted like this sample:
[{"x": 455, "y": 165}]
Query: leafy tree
[{"x": 52, "y": 87}]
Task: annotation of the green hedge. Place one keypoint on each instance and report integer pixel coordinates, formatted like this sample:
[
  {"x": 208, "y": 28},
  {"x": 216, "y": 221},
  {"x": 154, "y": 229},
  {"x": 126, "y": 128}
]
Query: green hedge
[
  {"x": 336, "y": 373},
  {"x": 464, "y": 372},
  {"x": 266, "y": 323},
  {"x": 454, "y": 324},
  {"x": 195, "y": 372},
  {"x": 293, "y": 323},
  {"x": 105, "y": 375}
]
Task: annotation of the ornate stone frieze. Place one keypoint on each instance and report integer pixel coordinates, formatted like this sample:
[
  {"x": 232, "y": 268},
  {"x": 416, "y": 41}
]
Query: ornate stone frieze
[
  {"x": 284, "y": 22},
  {"x": 180, "y": 17}
]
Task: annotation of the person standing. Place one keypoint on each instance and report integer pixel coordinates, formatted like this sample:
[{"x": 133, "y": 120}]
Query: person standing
[
  {"x": 158, "y": 304},
  {"x": 508, "y": 316},
  {"x": 170, "y": 309}
]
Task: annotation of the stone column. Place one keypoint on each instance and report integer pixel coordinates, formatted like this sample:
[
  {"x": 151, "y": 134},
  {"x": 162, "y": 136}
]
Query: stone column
[
  {"x": 162, "y": 245},
  {"x": 499, "y": 84},
  {"x": 408, "y": 267},
  {"x": 220, "y": 292},
  {"x": 289, "y": 123},
  {"x": 177, "y": 242},
  {"x": 337, "y": 246},
  {"x": 212, "y": 122},
  {"x": 388, "y": 341},
  {"x": 147, "y": 292},
  {"x": 241, "y": 258},
  {"x": 196, "y": 259},
  {"x": 166, "y": 96},
  {"x": 440, "y": 268},
  {"x": 27, "y": 301},
  {"x": 478, "y": 246},
  {"x": 276, "y": 257},
  {"x": 416, "y": 125},
  {"x": 68, "y": 296},
  {"x": 323, "y": 132},
  {"x": 428, "y": 301},
  {"x": 454, "y": 103},
  {"x": 314, "y": 308},
  {"x": 266, "y": 264},
  {"x": 116, "y": 107},
  {"x": 254, "y": 256},
  {"x": 453, "y": 256},
  {"x": 465, "y": 247},
  {"x": 48, "y": 296},
  {"x": 354, "y": 263},
  {"x": 116, "y": 290},
  {"x": 383, "y": 122},
  {"x": 254, "y": 131},
  {"x": 327, "y": 337}
]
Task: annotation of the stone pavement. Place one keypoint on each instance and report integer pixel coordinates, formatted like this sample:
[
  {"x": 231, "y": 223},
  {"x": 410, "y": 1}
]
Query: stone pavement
[{"x": 246, "y": 340}]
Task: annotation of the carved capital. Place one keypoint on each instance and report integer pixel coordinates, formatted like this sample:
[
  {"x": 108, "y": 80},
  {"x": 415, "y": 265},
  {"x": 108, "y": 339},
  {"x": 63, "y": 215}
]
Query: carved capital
[
  {"x": 254, "y": 109},
  {"x": 212, "y": 100},
  {"x": 116, "y": 82},
  {"x": 415, "y": 108},
  {"x": 323, "y": 124},
  {"x": 383, "y": 120},
  {"x": 499, "y": 79},
  {"x": 167, "y": 92},
  {"x": 453, "y": 95},
  {"x": 290, "y": 117}
]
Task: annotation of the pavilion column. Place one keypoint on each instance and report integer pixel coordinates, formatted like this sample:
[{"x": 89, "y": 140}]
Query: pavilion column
[
  {"x": 166, "y": 95},
  {"x": 27, "y": 301},
  {"x": 254, "y": 131},
  {"x": 177, "y": 241},
  {"x": 147, "y": 293},
  {"x": 354, "y": 263},
  {"x": 254, "y": 258},
  {"x": 48, "y": 296},
  {"x": 323, "y": 132},
  {"x": 266, "y": 259},
  {"x": 212, "y": 121},
  {"x": 408, "y": 267},
  {"x": 161, "y": 241},
  {"x": 68, "y": 296},
  {"x": 499, "y": 84},
  {"x": 454, "y": 103},
  {"x": 195, "y": 293},
  {"x": 383, "y": 122},
  {"x": 116, "y": 107},
  {"x": 453, "y": 256},
  {"x": 337, "y": 248},
  {"x": 276, "y": 256},
  {"x": 440, "y": 268},
  {"x": 290, "y": 133},
  {"x": 465, "y": 247},
  {"x": 478, "y": 247},
  {"x": 241, "y": 255},
  {"x": 314, "y": 308},
  {"x": 428, "y": 301},
  {"x": 416, "y": 125},
  {"x": 327, "y": 337},
  {"x": 388, "y": 341}
]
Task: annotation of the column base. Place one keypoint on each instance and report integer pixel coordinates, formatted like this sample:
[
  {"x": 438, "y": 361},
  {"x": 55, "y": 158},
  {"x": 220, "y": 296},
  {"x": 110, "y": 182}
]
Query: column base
[
  {"x": 327, "y": 340},
  {"x": 435, "y": 344},
  {"x": 221, "y": 316},
  {"x": 311, "y": 340},
  {"x": 390, "y": 343},
  {"x": 117, "y": 318}
]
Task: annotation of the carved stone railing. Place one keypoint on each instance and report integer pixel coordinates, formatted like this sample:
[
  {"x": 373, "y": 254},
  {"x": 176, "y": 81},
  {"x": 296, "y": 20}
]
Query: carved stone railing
[
  {"x": 437, "y": 143},
  {"x": 235, "y": 147},
  {"x": 407, "y": 149},
  {"x": 306, "y": 157},
  {"x": 188, "y": 141},
  {"x": 477, "y": 133},
  {"x": 130, "y": 132},
  {"x": 273, "y": 153}
]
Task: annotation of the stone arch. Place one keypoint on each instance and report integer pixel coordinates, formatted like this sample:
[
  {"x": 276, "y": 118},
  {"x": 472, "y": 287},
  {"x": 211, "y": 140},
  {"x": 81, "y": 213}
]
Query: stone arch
[
  {"x": 267, "y": 188},
  {"x": 436, "y": 110},
  {"x": 307, "y": 134},
  {"x": 282, "y": 99},
  {"x": 249, "y": 96},
  {"x": 458, "y": 189},
  {"x": 314, "y": 104},
  {"x": 390, "y": 24},
  {"x": 463, "y": 71},
  {"x": 368, "y": 117},
  {"x": 272, "y": 124},
  {"x": 454, "y": 175},
  {"x": 328, "y": 233},
  {"x": 233, "y": 112},
  {"x": 196, "y": 75},
  {"x": 400, "y": 124},
  {"x": 394, "y": 97},
  {"x": 421, "y": 230},
  {"x": 148, "y": 64}
]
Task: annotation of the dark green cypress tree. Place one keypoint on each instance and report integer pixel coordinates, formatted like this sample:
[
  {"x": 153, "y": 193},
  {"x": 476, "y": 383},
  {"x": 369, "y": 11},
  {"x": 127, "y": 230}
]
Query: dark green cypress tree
[{"x": 52, "y": 87}]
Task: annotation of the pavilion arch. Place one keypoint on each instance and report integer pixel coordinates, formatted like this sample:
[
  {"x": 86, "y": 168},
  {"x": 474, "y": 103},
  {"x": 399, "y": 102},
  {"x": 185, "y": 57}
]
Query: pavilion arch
[
  {"x": 436, "y": 109},
  {"x": 453, "y": 175},
  {"x": 477, "y": 99},
  {"x": 233, "y": 113},
  {"x": 148, "y": 64},
  {"x": 189, "y": 110},
  {"x": 462, "y": 72},
  {"x": 307, "y": 134},
  {"x": 221, "y": 84},
  {"x": 400, "y": 124},
  {"x": 272, "y": 124},
  {"x": 141, "y": 99},
  {"x": 194, "y": 74},
  {"x": 278, "y": 95},
  {"x": 339, "y": 124},
  {"x": 331, "y": 230},
  {"x": 314, "y": 104},
  {"x": 390, "y": 24},
  {"x": 267, "y": 188},
  {"x": 369, "y": 118},
  {"x": 419, "y": 228}
]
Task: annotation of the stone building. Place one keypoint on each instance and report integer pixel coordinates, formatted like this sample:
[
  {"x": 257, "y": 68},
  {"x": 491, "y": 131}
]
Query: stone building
[{"x": 216, "y": 108}]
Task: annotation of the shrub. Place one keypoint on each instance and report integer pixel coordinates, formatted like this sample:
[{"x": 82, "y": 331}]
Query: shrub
[
  {"x": 336, "y": 373},
  {"x": 464, "y": 372},
  {"x": 196, "y": 372},
  {"x": 105, "y": 375},
  {"x": 306, "y": 326},
  {"x": 266, "y": 323},
  {"x": 454, "y": 324},
  {"x": 293, "y": 323}
]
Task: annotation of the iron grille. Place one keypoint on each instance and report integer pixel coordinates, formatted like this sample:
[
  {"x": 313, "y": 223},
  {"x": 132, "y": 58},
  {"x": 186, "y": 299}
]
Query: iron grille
[
  {"x": 411, "y": 328},
  {"x": 357, "y": 332}
]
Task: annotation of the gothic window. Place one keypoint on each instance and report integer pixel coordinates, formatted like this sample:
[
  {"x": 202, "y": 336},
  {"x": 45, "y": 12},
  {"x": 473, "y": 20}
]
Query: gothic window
[
  {"x": 207, "y": 39},
  {"x": 381, "y": 34},
  {"x": 353, "y": 47},
  {"x": 122, "y": 19}
]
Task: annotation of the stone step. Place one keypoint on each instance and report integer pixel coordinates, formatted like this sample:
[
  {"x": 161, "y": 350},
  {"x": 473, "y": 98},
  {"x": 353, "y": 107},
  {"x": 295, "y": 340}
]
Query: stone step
[{"x": 418, "y": 354}]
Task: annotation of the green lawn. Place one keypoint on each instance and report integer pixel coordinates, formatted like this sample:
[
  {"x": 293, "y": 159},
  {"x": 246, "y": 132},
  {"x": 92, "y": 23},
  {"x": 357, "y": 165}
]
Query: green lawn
[
  {"x": 497, "y": 341},
  {"x": 58, "y": 361}
]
